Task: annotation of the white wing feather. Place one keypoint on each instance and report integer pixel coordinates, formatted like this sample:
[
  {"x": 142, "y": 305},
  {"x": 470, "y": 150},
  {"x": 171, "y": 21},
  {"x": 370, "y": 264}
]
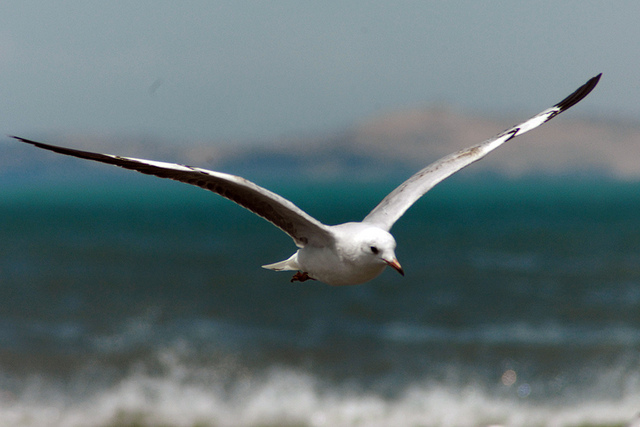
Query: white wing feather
[{"x": 395, "y": 204}]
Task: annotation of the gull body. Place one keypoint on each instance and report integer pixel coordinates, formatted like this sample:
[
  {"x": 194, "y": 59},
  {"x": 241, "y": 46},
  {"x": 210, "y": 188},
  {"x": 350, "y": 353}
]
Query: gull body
[
  {"x": 344, "y": 254},
  {"x": 359, "y": 252}
]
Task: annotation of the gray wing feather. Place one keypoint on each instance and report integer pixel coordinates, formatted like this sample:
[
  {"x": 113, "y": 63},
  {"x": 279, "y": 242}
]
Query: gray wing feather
[
  {"x": 303, "y": 228},
  {"x": 395, "y": 204}
]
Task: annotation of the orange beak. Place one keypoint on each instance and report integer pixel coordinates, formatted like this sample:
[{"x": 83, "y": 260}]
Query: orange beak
[{"x": 395, "y": 265}]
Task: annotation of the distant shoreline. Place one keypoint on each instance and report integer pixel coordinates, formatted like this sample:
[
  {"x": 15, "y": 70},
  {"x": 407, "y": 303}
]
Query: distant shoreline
[{"x": 385, "y": 145}]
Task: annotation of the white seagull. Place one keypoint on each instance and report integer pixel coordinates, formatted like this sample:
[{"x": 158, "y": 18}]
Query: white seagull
[{"x": 343, "y": 254}]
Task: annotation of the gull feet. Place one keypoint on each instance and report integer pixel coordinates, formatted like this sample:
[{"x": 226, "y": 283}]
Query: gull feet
[{"x": 301, "y": 277}]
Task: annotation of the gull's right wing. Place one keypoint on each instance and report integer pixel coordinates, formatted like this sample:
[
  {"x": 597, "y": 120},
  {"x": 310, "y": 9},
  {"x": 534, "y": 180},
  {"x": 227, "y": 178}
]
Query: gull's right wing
[{"x": 302, "y": 227}]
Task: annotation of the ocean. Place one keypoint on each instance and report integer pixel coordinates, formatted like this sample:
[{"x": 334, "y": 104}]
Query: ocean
[{"x": 141, "y": 302}]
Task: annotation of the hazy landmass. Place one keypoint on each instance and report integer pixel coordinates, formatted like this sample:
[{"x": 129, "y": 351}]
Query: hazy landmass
[{"x": 378, "y": 147}]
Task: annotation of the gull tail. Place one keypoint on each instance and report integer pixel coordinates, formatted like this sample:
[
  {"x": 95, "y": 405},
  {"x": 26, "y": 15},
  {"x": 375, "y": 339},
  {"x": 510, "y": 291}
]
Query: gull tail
[{"x": 288, "y": 264}]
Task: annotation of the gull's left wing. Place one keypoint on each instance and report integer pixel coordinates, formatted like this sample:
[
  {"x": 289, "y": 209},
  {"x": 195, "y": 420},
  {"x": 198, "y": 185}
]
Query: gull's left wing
[
  {"x": 302, "y": 227},
  {"x": 392, "y": 207}
]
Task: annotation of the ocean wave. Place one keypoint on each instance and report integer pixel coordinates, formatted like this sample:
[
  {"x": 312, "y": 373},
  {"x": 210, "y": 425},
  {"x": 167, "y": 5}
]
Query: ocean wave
[{"x": 188, "y": 396}]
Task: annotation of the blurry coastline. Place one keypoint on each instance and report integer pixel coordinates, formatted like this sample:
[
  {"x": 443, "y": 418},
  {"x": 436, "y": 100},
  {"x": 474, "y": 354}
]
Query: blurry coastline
[{"x": 391, "y": 145}]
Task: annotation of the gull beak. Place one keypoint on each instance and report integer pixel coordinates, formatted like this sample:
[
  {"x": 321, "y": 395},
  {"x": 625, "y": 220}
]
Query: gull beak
[{"x": 395, "y": 265}]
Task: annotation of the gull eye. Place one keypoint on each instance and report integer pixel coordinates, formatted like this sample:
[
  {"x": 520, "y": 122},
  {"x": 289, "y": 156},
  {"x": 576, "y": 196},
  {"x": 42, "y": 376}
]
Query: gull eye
[{"x": 374, "y": 250}]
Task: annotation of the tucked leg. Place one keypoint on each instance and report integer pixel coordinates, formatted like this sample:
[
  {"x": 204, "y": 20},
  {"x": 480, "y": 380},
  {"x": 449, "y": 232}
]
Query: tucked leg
[{"x": 301, "y": 277}]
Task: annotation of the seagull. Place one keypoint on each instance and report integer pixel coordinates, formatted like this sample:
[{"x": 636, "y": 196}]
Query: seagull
[{"x": 345, "y": 254}]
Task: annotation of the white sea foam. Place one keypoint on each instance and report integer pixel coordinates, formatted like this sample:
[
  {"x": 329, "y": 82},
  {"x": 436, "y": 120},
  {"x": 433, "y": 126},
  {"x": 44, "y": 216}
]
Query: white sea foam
[{"x": 283, "y": 396}]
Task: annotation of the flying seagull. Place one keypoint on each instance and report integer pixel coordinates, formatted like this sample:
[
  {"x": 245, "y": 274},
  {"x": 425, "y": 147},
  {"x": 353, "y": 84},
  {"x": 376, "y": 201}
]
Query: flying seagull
[{"x": 343, "y": 254}]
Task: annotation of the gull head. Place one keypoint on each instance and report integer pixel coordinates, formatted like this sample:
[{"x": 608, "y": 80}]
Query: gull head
[
  {"x": 368, "y": 247},
  {"x": 378, "y": 247}
]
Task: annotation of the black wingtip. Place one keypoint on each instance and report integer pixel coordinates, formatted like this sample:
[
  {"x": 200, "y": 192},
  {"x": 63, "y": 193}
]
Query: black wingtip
[
  {"x": 579, "y": 94},
  {"x": 43, "y": 146},
  {"x": 69, "y": 151},
  {"x": 28, "y": 141}
]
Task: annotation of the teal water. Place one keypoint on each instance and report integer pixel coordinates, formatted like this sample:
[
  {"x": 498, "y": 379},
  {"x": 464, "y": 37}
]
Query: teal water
[{"x": 143, "y": 302}]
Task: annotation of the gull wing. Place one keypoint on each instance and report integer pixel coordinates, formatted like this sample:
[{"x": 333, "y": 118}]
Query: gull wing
[
  {"x": 303, "y": 228},
  {"x": 395, "y": 204}
]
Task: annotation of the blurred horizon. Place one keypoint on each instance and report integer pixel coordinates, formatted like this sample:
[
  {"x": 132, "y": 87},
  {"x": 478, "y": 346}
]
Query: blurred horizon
[{"x": 393, "y": 145}]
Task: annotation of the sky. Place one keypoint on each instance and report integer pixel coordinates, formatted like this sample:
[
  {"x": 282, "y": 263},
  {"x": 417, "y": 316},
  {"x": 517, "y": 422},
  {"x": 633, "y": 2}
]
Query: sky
[{"x": 241, "y": 71}]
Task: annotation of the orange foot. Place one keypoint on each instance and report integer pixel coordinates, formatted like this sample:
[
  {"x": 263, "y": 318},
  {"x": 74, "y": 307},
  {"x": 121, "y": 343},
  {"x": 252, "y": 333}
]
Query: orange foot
[{"x": 301, "y": 277}]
